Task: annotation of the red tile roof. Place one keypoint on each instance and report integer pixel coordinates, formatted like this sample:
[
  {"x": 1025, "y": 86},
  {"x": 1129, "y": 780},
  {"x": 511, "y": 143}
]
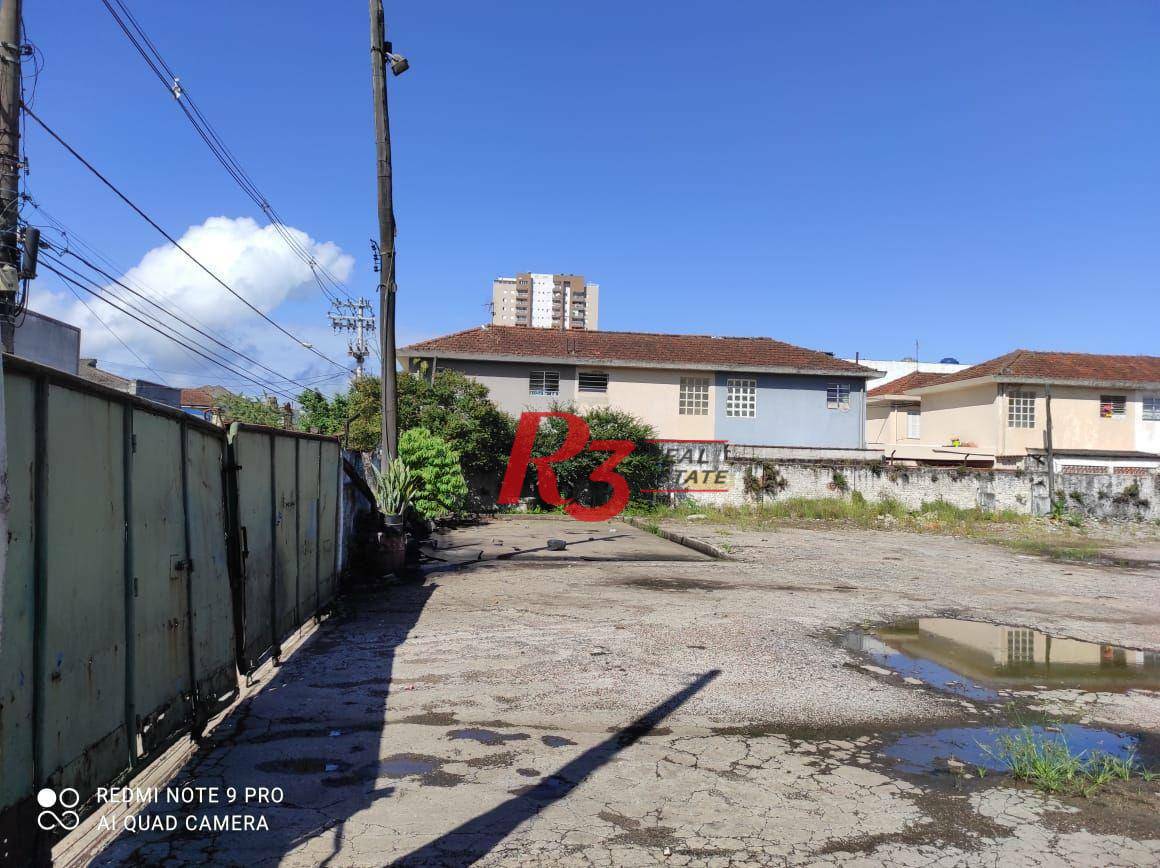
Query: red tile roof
[
  {"x": 914, "y": 380},
  {"x": 1063, "y": 367},
  {"x": 647, "y": 349},
  {"x": 202, "y": 397}
]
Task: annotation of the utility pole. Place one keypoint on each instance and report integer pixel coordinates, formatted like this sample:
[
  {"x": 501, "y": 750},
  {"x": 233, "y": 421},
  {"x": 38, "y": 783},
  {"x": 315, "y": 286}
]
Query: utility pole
[
  {"x": 10, "y": 53},
  {"x": 380, "y": 55},
  {"x": 357, "y": 317}
]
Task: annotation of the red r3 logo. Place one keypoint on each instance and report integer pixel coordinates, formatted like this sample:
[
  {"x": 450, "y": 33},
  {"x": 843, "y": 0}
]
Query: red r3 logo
[{"x": 575, "y": 442}]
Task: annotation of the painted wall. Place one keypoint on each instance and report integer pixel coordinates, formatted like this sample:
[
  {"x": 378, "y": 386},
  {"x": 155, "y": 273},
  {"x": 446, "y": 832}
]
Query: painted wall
[
  {"x": 887, "y": 424},
  {"x": 47, "y": 341},
  {"x": 653, "y": 394},
  {"x": 507, "y": 382},
  {"x": 1147, "y": 432},
  {"x": 969, "y": 414},
  {"x": 791, "y": 411}
]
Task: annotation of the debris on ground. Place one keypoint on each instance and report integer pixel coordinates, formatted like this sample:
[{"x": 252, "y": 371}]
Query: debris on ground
[{"x": 556, "y": 545}]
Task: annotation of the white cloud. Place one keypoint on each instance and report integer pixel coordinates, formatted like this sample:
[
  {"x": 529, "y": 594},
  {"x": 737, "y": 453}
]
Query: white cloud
[{"x": 252, "y": 259}]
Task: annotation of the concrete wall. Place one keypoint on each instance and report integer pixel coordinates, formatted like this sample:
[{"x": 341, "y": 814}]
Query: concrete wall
[
  {"x": 48, "y": 341},
  {"x": 653, "y": 394},
  {"x": 792, "y": 411},
  {"x": 1129, "y": 497}
]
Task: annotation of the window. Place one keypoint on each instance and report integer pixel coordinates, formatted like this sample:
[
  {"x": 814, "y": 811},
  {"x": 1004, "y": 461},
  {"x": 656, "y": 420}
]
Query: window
[
  {"x": 592, "y": 381},
  {"x": 1020, "y": 646},
  {"x": 913, "y": 424},
  {"x": 1112, "y": 406},
  {"x": 543, "y": 383},
  {"x": 694, "y": 396},
  {"x": 1151, "y": 408},
  {"x": 1021, "y": 410},
  {"x": 741, "y": 398},
  {"x": 838, "y": 396}
]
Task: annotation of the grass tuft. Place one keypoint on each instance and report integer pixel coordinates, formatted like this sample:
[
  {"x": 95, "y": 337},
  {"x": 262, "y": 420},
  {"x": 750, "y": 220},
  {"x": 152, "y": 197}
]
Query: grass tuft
[{"x": 1050, "y": 765}]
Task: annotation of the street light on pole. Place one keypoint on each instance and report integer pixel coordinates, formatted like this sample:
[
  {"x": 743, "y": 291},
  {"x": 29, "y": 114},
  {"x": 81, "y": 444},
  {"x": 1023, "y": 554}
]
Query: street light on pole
[{"x": 381, "y": 55}]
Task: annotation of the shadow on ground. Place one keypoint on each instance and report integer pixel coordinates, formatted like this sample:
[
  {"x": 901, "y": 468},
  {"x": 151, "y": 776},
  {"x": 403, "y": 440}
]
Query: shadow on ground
[{"x": 314, "y": 730}]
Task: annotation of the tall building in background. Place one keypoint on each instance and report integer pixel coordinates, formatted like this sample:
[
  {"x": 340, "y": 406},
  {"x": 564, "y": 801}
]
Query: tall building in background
[{"x": 548, "y": 301}]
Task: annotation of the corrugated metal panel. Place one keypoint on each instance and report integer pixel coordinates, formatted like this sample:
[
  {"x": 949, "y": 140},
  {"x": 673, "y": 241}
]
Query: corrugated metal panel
[
  {"x": 330, "y": 480},
  {"x": 84, "y": 740},
  {"x": 308, "y": 520},
  {"x": 212, "y": 605},
  {"x": 286, "y": 534},
  {"x": 252, "y": 454},
  {"x": 16, "y": 605},
  {"x": 160, "y": 610},
  {"x": 102, "y": 619}
]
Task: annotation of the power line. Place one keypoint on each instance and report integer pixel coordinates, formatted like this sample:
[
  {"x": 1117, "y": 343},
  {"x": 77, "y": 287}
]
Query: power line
[
  {"x": 116, "y": 337},
  {"x": 183, "y": 322},
  {"x": 174, "y": 241},
  {"x": 176, "y": 340},
  {"x": 184, "y": 339},
  {"x": 140, "y": 40}
]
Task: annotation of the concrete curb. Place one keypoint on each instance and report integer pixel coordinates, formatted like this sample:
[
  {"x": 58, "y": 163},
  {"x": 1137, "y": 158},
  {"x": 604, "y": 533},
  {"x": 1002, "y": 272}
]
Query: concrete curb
[{"x": 689, "y": 542}]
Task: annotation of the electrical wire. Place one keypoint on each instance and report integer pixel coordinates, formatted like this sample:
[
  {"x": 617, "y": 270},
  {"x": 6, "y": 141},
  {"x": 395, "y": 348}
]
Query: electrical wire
[
  {"x": 117, "y": 337},
  {"x": 185, "y": 339},
  {"x": 124, "y": 198},
  {"x": 79, "y": 285},
  {"x": 140, "y": 40}
]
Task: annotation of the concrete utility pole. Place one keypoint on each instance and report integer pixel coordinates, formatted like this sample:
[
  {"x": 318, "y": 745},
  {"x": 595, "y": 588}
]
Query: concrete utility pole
[
  {"x": 380, "y": 55},
  {"x": 10, "y": 53},
  {"x": 354, "y": 316}
]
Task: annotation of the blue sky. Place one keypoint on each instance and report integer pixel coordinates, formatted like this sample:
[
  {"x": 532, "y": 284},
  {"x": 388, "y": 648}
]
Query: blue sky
[{"x": 846, "y": 176}]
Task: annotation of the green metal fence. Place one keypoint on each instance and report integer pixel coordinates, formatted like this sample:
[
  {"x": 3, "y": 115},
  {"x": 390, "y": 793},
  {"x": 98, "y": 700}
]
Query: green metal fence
[{"x": 151, "y": 558}]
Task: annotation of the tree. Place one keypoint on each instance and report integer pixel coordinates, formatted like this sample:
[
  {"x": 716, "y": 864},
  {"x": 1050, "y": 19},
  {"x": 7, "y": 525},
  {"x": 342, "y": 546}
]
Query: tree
[
  {"x": 239, "y": 408},
  {"x": 455, "y": 406},
  {"x": 328, "y": 416},
  {"x": 441, "y": 488},
  {"x": 646, "y": 468}
]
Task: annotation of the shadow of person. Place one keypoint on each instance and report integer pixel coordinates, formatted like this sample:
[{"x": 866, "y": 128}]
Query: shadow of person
[{"x": 471, "y": 841}]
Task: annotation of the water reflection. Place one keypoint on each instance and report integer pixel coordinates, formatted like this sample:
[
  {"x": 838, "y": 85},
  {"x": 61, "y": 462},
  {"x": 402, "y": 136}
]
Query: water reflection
[{"x": 973, "y": 658}]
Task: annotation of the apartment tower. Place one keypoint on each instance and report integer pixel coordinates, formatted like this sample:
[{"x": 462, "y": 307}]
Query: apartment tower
[{"x": 549, "y": 301}]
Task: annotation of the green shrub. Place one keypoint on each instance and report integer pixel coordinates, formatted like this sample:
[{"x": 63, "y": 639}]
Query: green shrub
[
  {"x": 440, "y": 488},
  {"x": 647, "y": 467}
]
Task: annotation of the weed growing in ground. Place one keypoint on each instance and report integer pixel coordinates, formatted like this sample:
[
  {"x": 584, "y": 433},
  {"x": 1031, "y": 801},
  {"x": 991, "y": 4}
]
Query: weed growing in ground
[{"x": 1050, "y": 765}]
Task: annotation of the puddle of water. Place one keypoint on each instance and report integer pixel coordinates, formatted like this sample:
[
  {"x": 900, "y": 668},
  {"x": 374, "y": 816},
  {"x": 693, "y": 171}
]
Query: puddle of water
[
  {"x": 974, "y": 659},
  {"x": 403, "y": 766},
  {"x": 487, "y": 736},
  {"x": 926, "y": 752},
  {"x": 556, "y": 740}
]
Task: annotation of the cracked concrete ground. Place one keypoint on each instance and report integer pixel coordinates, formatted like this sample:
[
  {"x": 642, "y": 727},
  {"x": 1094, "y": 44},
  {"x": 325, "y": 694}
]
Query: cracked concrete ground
[{"x": 647, "y": 706}]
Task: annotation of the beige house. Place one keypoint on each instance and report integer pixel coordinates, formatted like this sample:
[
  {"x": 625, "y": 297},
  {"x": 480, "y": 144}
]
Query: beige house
[{"x": 1104, "y": 412}]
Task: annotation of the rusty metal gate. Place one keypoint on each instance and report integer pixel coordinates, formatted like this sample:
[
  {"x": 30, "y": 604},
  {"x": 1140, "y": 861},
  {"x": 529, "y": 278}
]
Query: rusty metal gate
[{"x": 149, "y": 560}]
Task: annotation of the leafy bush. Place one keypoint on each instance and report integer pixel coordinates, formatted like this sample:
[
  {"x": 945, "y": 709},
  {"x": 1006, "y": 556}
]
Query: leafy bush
[
  {"x": 440, "y": 487},
  {"x": 239, "y": 408},
  {"x": 452, "y": 404},
  {"x": 646, "y": 468},
  {"x": 326, "y": 415}
]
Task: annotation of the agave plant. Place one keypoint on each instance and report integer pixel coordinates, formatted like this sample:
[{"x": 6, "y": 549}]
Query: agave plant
[{"x": 394, "y": 488}]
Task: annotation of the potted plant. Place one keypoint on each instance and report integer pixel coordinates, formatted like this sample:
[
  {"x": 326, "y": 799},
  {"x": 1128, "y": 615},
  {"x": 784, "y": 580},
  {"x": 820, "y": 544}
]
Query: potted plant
[{"x": 394, "y": 490}]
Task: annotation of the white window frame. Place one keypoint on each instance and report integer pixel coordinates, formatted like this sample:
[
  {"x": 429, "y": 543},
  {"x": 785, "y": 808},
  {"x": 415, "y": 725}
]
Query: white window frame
[
  {"x": 1150, "y": 408},
  {"x": 693, "y": 397},
  {"x": 913, "y": 424},
  {"x": 1021, "y": 409},
  {"x": 545, "y": 378},
  {"x": 741, "y": 397},
  {"x": 838, "y": 396},
  {"x": 1118, "y": 405},
  {"x": 602, "y": 375}
]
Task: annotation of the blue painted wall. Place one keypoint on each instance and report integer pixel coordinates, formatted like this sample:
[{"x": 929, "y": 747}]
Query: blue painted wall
[{"x": 791, "y": 411}]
